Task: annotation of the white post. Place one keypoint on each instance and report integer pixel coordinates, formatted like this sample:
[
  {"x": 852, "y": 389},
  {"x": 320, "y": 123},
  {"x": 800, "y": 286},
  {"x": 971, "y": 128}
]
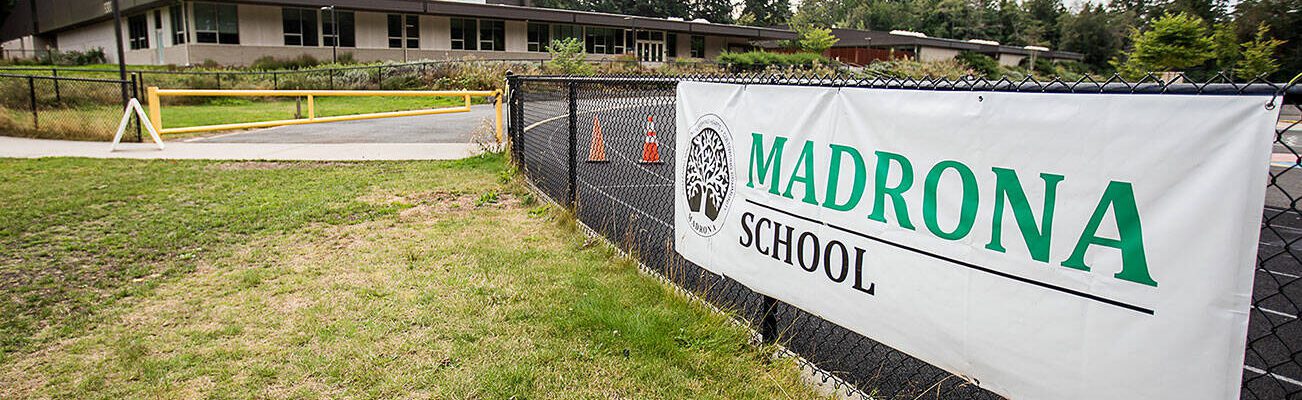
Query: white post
[{"x": 134, "y": 105}]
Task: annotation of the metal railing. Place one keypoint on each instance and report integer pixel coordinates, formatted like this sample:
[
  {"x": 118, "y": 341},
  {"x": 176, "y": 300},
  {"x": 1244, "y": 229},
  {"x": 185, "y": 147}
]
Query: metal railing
[
  {"x": 63, "y": 107},
  {"x": 631, "y": 205},
  {"x": 156, "y": 115}
]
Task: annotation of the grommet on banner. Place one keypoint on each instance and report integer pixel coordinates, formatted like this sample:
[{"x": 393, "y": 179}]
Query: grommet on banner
[
  {"x": 597, "y": 151},
  {"x": 650, "y": 147}
]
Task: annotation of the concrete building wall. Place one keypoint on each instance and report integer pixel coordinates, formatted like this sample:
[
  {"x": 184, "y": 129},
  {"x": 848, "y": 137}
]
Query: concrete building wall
[
  {"x": 245, "y": 54},
  {"x": 89, "y": 37},
  {"x": 714, "y": 45},
  {"x": 517, "y": 36},
  {"x": 435, "y": 32},
  {"x": 936, "y": 54},
  {"x": 1010, "y": 60},
  {"x": 372, "y": 30},
  {"x": 262, "y": 34},
  {"x": 261, "y": 25}
]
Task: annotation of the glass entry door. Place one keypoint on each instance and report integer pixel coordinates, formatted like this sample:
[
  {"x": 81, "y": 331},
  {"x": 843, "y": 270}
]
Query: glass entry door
[
  {"x": 651, "y": 46},
  {"x": 651, "y": 51}
]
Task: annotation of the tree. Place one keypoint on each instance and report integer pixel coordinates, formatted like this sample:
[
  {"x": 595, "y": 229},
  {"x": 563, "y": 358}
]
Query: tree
[
  {"x": 567, "y": 58},
  {"x": 1282, "y": 18},
  {"x": 1095, "y": 32},
  {"x": 644, "y": 8},
  {"x": 717, "y": 11},
  {"x": 1210, "y": 11},
  {"x": 1225, "y": 46},
  {"x": 766, "y": 12},
  {"x": 1045, "y": 14},
  {"x": 1171, "y": 43},
  {"x": 1258, "y": 55},
  {"x": 814, "y": 39}
]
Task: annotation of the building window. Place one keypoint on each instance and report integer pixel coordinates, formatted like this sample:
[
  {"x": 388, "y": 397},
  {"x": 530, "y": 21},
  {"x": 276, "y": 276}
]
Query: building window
[
  {"x": 345, "y": 36},
  {"x": 492, "y": 35},
  {"x": 179, "y": 26},
  {"x": 138, "y": 32},
  {"x": 158, "y": 19},
  {"x": 539, "y": 37},
  {"x": 604, "y": 41},
  {"x": 698, "y": 46},
  {"x": 671, "y": 45},
  {"x": 216, "y": 23},
  {"x": 463, "y": 34},
  {"x": 562, "y": 32},
  {"x": 404, "y": 29},
  {"x": 300, "y": 26}
]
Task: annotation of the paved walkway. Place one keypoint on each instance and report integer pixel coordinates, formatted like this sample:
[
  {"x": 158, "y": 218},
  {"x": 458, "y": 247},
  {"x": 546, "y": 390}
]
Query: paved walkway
[{"x": 33, "y": 148}]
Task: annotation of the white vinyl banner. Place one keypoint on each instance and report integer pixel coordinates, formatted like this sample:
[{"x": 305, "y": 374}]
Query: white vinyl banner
[{"x": 1044, "y": 246}]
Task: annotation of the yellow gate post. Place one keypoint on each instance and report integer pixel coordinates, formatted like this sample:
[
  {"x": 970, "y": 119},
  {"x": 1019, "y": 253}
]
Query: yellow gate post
[
  {"x": 155, "y": 116},
  {"x": 498, "y": 105}
]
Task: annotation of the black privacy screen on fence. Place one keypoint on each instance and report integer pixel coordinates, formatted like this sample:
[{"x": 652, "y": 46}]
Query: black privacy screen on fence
[{"x": 630, "y": 203}]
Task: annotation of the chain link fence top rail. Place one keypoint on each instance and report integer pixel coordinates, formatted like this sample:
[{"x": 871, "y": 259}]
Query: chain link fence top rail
[
  {"x": 63, "y": 107},
  {"x": 552, "y": 120},
  {"x": 388, "y": 76}
]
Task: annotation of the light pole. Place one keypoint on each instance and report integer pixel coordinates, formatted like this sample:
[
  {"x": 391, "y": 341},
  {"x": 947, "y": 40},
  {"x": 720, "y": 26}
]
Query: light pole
[
  {"x": 122, "y": 62},
  {"x": 637, "y": 51},
  {"x": 334, "y": 30}
]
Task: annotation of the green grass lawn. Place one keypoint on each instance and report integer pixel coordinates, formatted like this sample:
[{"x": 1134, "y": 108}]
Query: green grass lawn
[{"x": 167, "y": 279}]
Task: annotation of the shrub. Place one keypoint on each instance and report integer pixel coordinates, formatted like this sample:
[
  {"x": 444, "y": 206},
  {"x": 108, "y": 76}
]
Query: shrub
[
  {"x": 760, "y": 60},
  {"x": 568, "y": 58},
  {"x": 73, "y": 57},
  {"x": 267, "y": 63},
  {"x": 984, "y": 65},
  {"x": 909, "y": 68}
]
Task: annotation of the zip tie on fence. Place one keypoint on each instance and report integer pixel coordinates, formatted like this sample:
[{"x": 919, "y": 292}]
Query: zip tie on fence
[{"x": 1270, "y": 105}]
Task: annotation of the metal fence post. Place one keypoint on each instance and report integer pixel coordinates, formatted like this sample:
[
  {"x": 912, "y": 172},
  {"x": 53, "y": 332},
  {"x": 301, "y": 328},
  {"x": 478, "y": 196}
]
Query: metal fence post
[
  {"x": 379, "y": 77},
  {"x": 574, "y": 144},
  {"x": 31, "y": 93},
  {"x": 275, "y": 80},
  {"x": 219, "y": 80},
  {"x": 768, "y": 326},
  {"x": 58, "y": 98},
  {"x": 135, "y": 94},
  {"x": 514, "y": 135}
]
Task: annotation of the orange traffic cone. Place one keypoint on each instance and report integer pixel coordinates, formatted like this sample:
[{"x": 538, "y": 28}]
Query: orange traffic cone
[
  {"x": 597, "y": 152},
  {"x": 650, "y": 147}
]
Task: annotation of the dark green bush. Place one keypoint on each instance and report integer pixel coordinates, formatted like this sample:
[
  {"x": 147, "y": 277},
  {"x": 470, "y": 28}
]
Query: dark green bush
[
  {"x": 73, "y": 57},
  {"x": 759, "y": 60},
  {"x": 981, "y": 63}
]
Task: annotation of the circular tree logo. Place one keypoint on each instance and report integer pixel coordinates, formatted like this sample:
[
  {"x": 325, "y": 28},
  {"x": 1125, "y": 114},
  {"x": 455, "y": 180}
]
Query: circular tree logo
[{"x": 709, "y": 175}]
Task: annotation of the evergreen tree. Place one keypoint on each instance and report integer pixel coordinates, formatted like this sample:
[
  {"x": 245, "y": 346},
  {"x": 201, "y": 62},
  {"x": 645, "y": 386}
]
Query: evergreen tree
[
  {"x": 766, "y": 12},
  {"x": 1094, "y": 32},
  {"x": 1045, "y": 14},
  {"x": 1282, "y": 18},
  {"x": 717, "y": 11},
  {"x": 1171, "y": 43},
  {"x": 1258, "y": 55},
  {"x": 1225, "y": 46}
]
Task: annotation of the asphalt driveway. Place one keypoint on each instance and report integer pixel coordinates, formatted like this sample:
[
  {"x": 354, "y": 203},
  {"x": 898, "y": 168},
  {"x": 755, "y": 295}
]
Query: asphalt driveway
[{"x": 438, "y": 128}]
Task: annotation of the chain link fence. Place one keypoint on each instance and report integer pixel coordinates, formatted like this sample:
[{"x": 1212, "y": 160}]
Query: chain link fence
[
  {"x": 630, "y": 203},
  {"x": 64, "y": 107}
]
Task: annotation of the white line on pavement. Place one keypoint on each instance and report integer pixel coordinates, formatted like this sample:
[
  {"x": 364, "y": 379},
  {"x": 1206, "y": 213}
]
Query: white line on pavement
[
  {"x": 1280, "y": 313},
  {"x": 1272, "y": 375}
]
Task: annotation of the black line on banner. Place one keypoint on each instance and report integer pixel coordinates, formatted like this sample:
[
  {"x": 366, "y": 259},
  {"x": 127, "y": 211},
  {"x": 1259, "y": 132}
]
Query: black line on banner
[{"x": 965, "y": 263}]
